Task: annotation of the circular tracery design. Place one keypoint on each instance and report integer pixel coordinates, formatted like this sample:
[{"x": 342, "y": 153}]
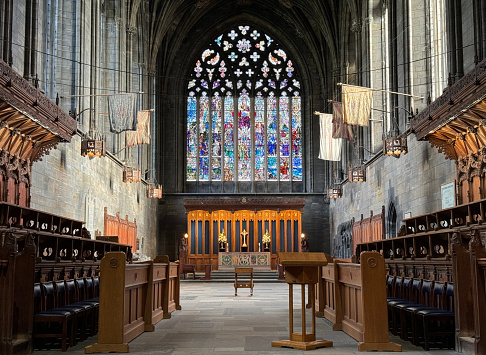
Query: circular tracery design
[{"x": 244, "y": 111}]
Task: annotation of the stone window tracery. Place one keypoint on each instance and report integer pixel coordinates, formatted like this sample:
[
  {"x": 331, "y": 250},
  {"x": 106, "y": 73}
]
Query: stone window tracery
[{"x": 244, "y": 111}]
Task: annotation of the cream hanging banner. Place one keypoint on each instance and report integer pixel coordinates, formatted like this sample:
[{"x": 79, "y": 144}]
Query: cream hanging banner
[
  {"x": 330, "y": 148},
  {"x": 356, "y": 104}
]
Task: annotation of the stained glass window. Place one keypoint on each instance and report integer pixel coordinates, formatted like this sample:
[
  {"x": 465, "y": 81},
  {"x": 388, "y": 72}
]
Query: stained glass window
[{"x": 244, "y": 120}]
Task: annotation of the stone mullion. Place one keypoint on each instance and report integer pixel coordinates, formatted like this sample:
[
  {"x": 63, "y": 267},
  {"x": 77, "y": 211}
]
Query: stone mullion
[
  {"x": 252, "y": 146},
  {"x": 235, "y": 138}
]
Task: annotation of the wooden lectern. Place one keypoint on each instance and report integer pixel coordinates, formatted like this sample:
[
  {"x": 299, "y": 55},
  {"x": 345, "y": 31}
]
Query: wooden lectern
[{"x": 303, "y": 269}]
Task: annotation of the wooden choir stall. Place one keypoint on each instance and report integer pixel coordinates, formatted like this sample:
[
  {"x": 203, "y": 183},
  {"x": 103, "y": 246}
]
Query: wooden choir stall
[{"x": 242, "y": 232}]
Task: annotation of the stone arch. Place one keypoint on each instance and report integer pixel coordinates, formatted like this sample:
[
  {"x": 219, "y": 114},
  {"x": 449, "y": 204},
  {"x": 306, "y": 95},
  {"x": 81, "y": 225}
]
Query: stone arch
[{"x": 391, "y": 221}]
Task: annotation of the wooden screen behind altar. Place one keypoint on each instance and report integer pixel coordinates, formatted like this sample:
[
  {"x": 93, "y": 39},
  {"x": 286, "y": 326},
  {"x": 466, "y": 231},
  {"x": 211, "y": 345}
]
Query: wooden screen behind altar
[{"x": 204, "y": 227}]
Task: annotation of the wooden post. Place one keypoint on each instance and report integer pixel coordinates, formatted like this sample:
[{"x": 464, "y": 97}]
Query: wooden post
[
  {"x": 110, "y": 328},
  {"x": 373, "y": 293}
]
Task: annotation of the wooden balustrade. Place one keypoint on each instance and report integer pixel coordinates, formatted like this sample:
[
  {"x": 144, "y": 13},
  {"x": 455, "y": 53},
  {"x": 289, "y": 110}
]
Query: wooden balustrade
[
  {"x": 369, "y": 229},
  {"x": 14, "y": 216},
  {"x": 133, "y": 298},
  {"x": 427, "y": 245},
  {"x": 353, "y": 298},
  {"x": 468, "y": 214}
]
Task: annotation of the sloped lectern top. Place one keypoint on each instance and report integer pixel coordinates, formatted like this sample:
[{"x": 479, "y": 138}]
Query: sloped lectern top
[
  {"x": 302, "y": 268},
  {"x": 302, "y": 259}
]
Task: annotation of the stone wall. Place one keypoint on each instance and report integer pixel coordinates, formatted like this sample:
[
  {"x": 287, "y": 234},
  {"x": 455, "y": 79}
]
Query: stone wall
[
  {"x": 173, "y": 220},
  {"x": 411, "y": 183},
  {"x": 73, "y": 186}
]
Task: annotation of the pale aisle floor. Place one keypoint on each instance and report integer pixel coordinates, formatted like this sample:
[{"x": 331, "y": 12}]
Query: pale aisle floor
[{"x": 214, "y": 321}]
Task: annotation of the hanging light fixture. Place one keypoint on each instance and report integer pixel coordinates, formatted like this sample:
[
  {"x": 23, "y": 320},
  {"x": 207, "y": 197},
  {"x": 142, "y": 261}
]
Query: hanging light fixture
[
  {"x": 357, "y": 174},
  {"x": 395, "y": 146},
  {"x": 154, "y": 191},
  {"x": 93, "y": 147},
  {"x": 335, "y": 192},
  {"x": 132, "y": 174}
]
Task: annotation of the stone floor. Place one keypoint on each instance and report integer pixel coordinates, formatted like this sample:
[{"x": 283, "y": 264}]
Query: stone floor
[{"x": 214, "y": 321}]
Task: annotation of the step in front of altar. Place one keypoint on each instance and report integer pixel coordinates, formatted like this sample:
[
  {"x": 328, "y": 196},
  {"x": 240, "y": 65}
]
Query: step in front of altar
[{"x": 228, "y": 275}]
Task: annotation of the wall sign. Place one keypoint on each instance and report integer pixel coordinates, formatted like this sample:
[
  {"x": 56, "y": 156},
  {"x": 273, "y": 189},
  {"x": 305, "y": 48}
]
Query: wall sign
[{"x": 448, "y": 194}]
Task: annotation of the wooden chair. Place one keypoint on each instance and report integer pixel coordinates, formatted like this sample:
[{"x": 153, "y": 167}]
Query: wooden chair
[
  {"x": 51, "y": 323},
  {"x": 72, "y": 299},
  {"x": 245, "y": 284},
  {"x": 437, "y": 322},
  {"x": 406, "y": 309},
  {"x": 403, "y": 298}
]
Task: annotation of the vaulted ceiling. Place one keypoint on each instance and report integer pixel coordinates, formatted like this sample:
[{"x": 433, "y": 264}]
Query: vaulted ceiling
[{"x": 309, "y": 29}]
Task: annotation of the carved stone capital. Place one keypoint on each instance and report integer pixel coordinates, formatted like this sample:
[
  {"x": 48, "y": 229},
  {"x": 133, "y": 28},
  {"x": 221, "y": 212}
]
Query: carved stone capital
[
  {"x": 131, "y": 30},
  {"x": 286, "y": 3},
  {"x": 202, "y": 4},
  {"x": 356, "y": 26}
]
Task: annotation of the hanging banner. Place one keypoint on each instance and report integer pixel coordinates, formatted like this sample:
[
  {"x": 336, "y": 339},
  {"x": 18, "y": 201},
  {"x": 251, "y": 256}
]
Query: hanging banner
[
  {"x": 330, "y": 148},
  {"x": 356, "y": 104},
  {"x": 142, "y": 134},
  {"x": 122, "y": 112},
  {"x": 339, "y": 128}
]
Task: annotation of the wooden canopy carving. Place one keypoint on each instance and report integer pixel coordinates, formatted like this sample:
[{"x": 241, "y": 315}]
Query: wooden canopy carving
[
  {"x": 30, "y": 123},
  {"x": 456, "y": 122},
  {"x": 247, "y": 203}
]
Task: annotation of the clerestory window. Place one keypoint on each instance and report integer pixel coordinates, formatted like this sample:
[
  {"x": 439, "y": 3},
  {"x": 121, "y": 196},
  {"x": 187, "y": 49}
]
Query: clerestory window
[{"x": 244, "y": 111}]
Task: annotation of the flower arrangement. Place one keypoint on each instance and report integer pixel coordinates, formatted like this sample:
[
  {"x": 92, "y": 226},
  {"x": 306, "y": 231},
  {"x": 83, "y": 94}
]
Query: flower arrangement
[
  {"x": 222, "y": 238},
  {"x": 266, "y": 237}
]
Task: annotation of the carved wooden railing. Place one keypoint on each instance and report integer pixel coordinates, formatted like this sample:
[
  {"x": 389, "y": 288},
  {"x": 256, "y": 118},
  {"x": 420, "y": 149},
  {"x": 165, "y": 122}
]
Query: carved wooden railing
[
  {"x": 353, "y": 298},
  {"x": 133, "y": 298},
  {"x": 369, "y": 229},
  {"x": 121, "y": 227}
]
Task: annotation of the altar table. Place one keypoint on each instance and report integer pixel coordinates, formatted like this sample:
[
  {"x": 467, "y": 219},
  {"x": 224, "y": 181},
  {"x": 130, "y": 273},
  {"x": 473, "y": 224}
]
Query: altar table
[{"x": 234, "y": 259}]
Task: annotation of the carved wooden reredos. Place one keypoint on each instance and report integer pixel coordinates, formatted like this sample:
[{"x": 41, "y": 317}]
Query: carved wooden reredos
[{"x": 280, "y": 218}]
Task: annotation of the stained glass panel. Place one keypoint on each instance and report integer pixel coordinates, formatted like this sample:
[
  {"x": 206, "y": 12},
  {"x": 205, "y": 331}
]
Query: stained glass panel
[
  {"x": 259, "y": 138},
  {"x": 244, "y": 138},
  {"x": 204, "y": 138},
  {"x": 216, "y": 138},
  {"x": 272, "y": 138},
  {"x": 284, "y": 138},
  {"x": 229, "y": 144},
  {"x": 296, "y": 139},
  {"x": 192, "y": 144},
  {"x": 247, "y": 71}
]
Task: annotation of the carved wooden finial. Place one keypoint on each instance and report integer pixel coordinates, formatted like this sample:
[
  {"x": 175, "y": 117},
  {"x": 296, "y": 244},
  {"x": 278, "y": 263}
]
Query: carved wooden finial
[{"x": 475, "y": 241}]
